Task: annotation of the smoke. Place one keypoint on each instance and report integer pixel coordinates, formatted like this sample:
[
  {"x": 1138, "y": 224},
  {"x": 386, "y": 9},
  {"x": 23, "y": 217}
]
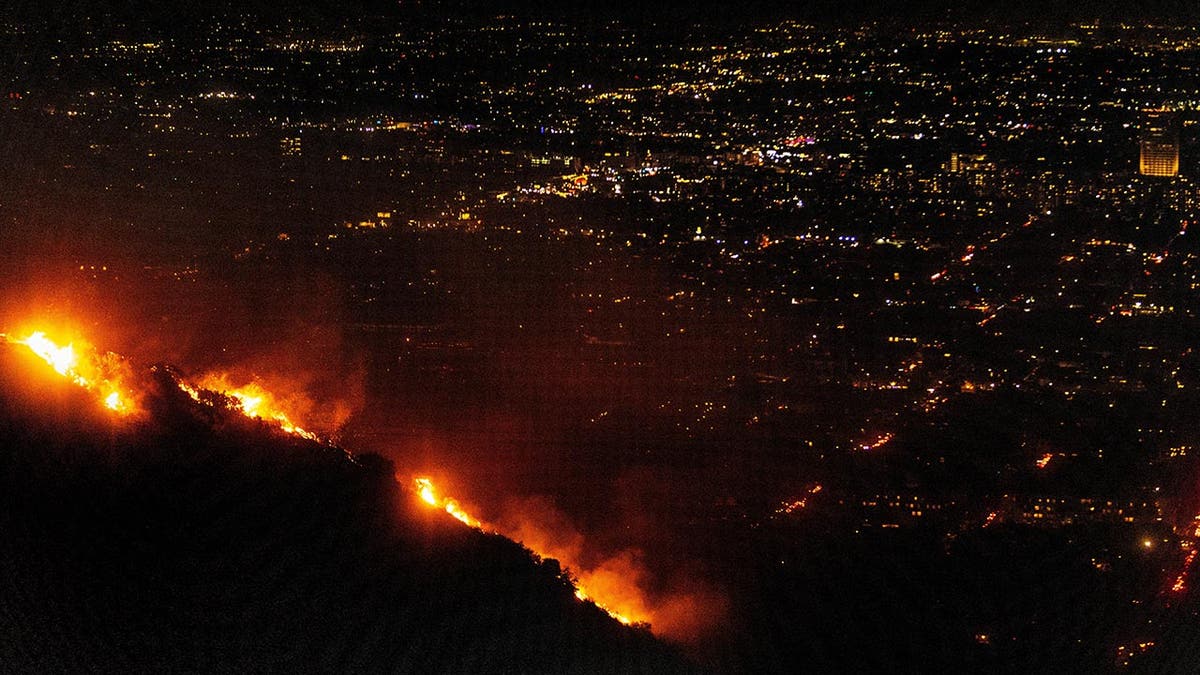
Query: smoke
[
  {"x": 684, "y": 610},
  {"x": 290, "y": 342},
  {"x": 307, "y": 401}
]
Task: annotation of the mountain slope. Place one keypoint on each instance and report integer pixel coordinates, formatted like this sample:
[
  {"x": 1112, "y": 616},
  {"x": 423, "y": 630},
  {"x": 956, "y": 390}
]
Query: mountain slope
[{"x": 202, "y": 540}]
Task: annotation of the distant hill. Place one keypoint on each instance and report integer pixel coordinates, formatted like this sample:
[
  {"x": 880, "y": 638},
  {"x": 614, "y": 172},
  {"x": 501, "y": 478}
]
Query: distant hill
[{"x": 204, "y": 541}]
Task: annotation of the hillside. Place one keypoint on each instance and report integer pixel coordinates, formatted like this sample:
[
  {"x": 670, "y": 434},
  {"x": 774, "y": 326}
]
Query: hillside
[{"x": 196, "y": 539}]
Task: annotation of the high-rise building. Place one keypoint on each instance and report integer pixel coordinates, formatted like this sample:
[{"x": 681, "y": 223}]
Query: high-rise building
[
  {"x": 961, "y": 162},
  {"x": 290, "y": 146},
  {"x": 1159, "y": 141}
]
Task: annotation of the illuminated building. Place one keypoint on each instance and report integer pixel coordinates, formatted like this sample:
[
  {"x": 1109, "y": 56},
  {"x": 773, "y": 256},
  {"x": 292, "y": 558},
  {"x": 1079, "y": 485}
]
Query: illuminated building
[
  {"x": 1159, "y": 144},
  {"x": 290, "y": 146},
  {"x": 961, "y": 162}
]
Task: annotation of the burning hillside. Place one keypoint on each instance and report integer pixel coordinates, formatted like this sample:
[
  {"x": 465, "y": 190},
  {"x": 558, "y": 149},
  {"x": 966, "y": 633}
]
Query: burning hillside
[
  {"x": 101, "y": 374},
  {"x": 429, "y": 495},
  {"x": 191, "y": 532}
]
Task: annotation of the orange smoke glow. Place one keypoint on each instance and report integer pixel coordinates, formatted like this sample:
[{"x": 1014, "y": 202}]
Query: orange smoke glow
[
  {"x": 612, "y": 586},
  {"x": 100, "y": 374},
  {"x": 252, "y": 399},
  {"x": 623, "y": 583}
]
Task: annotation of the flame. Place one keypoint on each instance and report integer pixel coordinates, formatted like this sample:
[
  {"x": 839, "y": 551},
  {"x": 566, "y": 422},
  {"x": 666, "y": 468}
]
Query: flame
[
  {"x": 98, "y": 373},
  {"x": 428, "y": 494},
  {"x": 62, "y": 359},
  {"x": 252, "y": 400},
  {"x": 582, "y": 596},
  {"x": 425, "y": 489}
]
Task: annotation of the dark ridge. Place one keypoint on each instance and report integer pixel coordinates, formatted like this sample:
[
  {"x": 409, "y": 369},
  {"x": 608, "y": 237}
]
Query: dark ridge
[{"x": 203, "y": 541}]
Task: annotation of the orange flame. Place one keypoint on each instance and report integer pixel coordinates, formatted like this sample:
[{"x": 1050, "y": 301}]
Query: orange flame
[
  {"x": 62, "y": 359},
  {"x": 95, "y": 372},
  {"x": 426, "y": 490},
  {"x": 582, "y": 596},
  {"x": 252, "y": 400},
  {"x": 428, "y": 494}
]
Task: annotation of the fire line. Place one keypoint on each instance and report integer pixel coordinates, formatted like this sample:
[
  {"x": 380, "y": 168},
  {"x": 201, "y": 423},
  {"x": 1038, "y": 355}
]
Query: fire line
[
  {"x": 84, "y": 367},
  {"x": 428, "y": 494},
  {"x": 96, "y": 373}
]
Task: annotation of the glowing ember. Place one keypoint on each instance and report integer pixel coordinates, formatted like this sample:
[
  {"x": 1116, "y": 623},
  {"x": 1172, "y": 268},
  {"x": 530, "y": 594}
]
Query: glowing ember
[
  {"x": 1180, "y": 584},
  {"x": 1044, "y": 460},
  {"x": 788, "y": 508},
  {"x": 879, "y": 442},
  {"x": 95, "y": 372},
  {"x": 1181, "y": 580},
  {"x": 190, "y": 391},
  {"x": 428, "y": 494}
]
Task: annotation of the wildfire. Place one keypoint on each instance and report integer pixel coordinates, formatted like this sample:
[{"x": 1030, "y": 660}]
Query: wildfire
[
  {"x": 252, "y": 399},
  {"x": 104, "y": 375},
  {"x": 428, "y": 494},
  {"x": 62, "y": 359},
  {"x": 582, "y": 596},
  {"x": 95, "y": 372}
]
